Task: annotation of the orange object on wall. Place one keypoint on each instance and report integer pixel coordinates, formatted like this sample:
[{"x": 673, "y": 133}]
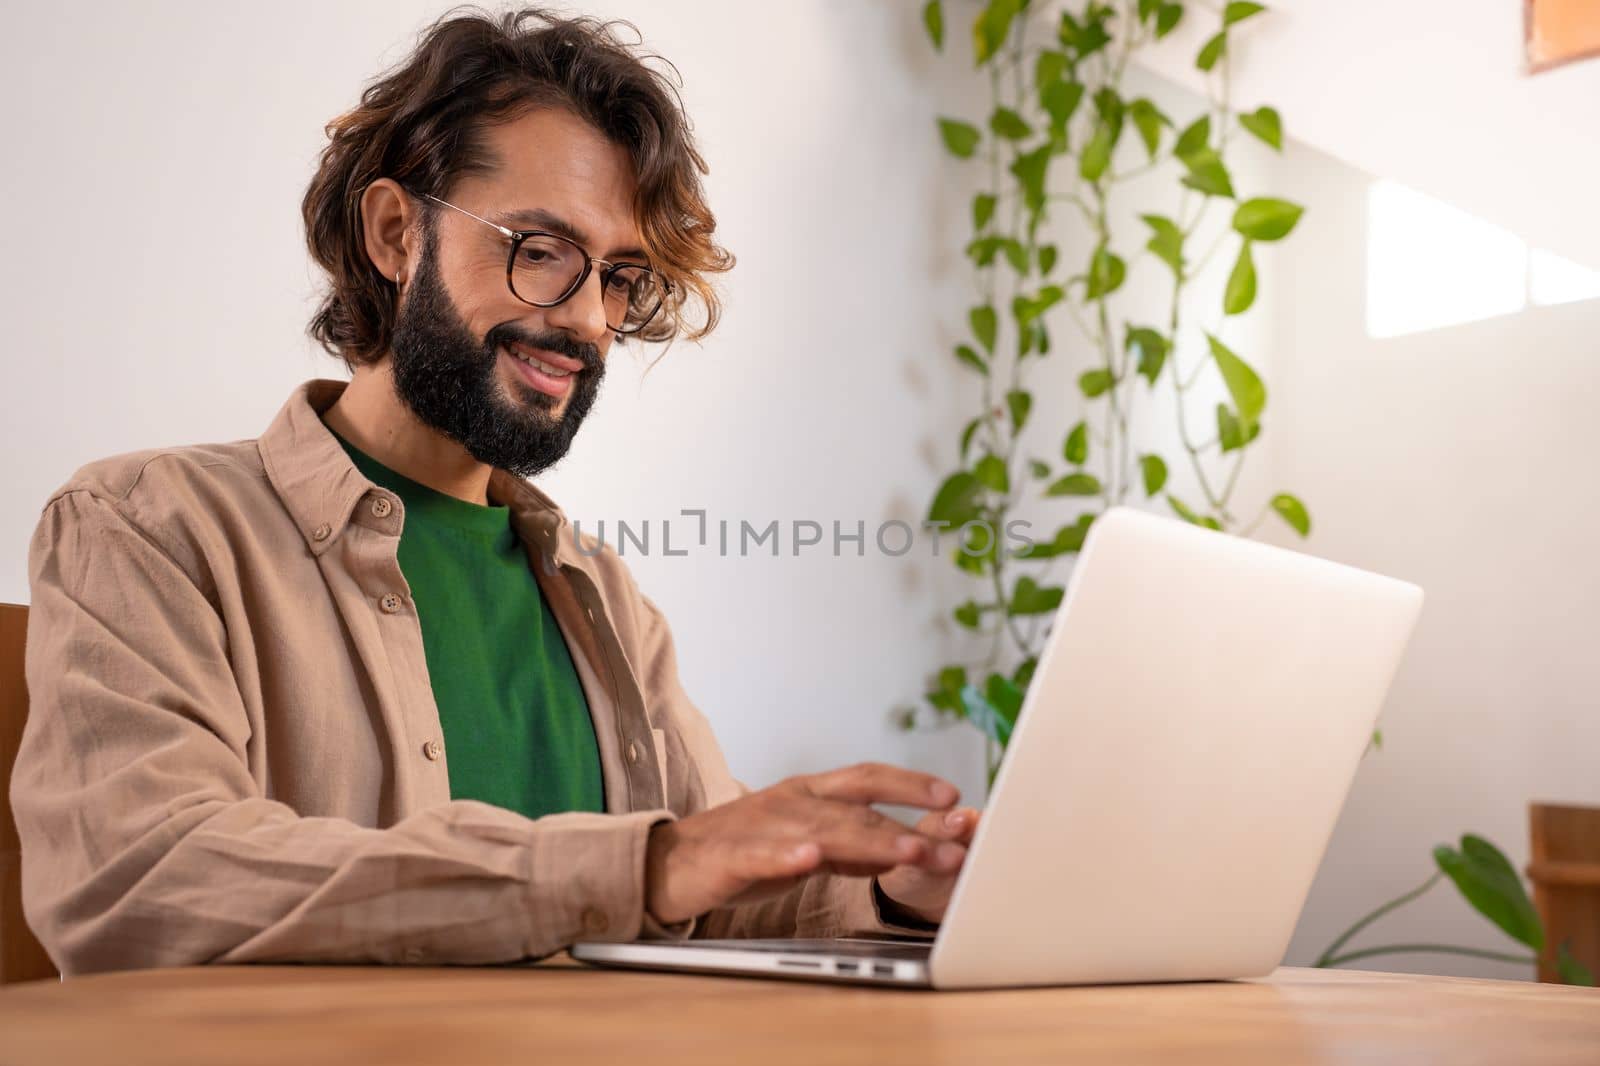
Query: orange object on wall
[{"x": 1560, "y": 31}]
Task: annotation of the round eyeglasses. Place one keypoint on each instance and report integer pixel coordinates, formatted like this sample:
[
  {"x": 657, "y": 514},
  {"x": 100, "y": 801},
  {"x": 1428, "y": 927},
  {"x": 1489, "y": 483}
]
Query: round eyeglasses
[{"x": 545, "y": 269}]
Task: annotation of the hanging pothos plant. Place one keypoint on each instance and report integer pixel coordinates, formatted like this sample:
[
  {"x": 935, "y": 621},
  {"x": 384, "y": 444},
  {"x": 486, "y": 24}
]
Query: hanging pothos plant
[{"x": 1061, "y": 134}]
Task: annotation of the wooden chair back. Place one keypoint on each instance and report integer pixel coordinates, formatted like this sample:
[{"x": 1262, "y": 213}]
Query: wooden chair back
[
  {"x": 1564, "y": 867},
  {"x": 21, "y": 957}
]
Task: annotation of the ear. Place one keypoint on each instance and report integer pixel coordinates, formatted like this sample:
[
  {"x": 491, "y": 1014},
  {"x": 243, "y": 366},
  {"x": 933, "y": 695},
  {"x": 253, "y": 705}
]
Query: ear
[{"x": 387, "y": 214}]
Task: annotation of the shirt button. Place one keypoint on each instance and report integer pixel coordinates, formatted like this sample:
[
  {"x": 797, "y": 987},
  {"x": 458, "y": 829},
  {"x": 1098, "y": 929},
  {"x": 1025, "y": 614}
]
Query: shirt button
[
  {"x": 390, "y": 603},
  {"x": 633, "y": 751},
  {"x": 433, "y": 749},
  {"x": 594, "y": 921},
  {"x": 381, "y": 507},
  {"x": 321, "y": 532}
]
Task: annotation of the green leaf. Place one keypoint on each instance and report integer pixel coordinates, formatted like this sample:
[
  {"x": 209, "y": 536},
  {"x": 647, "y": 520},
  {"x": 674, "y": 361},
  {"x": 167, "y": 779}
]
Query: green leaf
[
  {"x": 1019, "y": 403},
  {"x": 1060, "y": 99},
  {"x": 1109, "y": 106},
  {"x": 1085, "y": 39},
  {"x": 1571, "y": 970},
  {"x": 1039, "y": 468},
  {"x": 933, "y": 19},
  {"x": 1048, "y": 68},
  {"x": 1153, "y": 349},
  {"x": 946, "y": 694},
  {"x": 1229, "y": 433},
  {"x": 1238, "y": 11},
  {"x": 989, "y": 32},
  {"x": 1264, "y": 123},
  {"x": 1241, "y": 283},
  {"x": 1067, "y": 539},
  {"x": 1030, "y": 598},
  {"x": 1167, "y": 19},
  {"x": 1030, "y": 170},
  {"x": 1095, "y": 382},
  {"x": 966, "y": 436},
  {"x": 1075, "y": 485},
  {"x": 1003, "y": 696},
  {"x": 1154, "y": 469},
  {"x": 951, "y": 678},
  {"x": 1148, "y": 121},
  {"x": 1195, "y": 136},
  {"x": 1264, "y": 219},
  {"x": 1487, "y": 880},
  {"x": 1106, "y": 273},
  {"x": 1244, "y": 385},
  {"x": 1026, "y": 334},
  {"x": 1293, "y": 512},
  {"x": 1024, "y": 672},
  {"x": 1047, "y": 258},
  {"x": 1097, "y": 156},
  {"x": 968, "y": 614},
  {"x": 1076, "y": 447},
  {"x": 1008, "y": 124},
  {"x": 961, "y": 138},
  {"x": 1166, "y": 241},
  {"x": 1015, "y": 254},
  {"x": 984, "y": 712},
  {"x": 965, "y": 353},
  {"x": 981, "y": 249},
  {"x": 1148, "y": 8},
  {"x": 984, "y": 325},
  {"x": 1188, "y": 515},
  {"x": 1212, "y": 52},
  {"x": 982, "y": 210},
  {"x": 979, "y": 559},
  {"x": 1207, "y": 174},
  {"x": 991, "y": 472},
  {"x": 1025, "y": 309},
  {"x": 956, "y": 502}
]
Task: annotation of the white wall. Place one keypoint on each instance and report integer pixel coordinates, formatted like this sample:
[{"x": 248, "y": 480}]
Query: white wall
[
  {"x": 1431, "y": 93},
  {"x": 1460, "y": 459},
  {"x": 177, "y": 140}
]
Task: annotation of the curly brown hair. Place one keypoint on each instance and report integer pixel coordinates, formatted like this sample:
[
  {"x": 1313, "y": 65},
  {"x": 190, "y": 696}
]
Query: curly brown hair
[{"x": 421, "y": 124}]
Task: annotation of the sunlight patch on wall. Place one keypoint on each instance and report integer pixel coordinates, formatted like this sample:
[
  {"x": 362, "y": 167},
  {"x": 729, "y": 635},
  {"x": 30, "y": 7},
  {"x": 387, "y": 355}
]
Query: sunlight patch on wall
[{"x": 1431, "y": 265}]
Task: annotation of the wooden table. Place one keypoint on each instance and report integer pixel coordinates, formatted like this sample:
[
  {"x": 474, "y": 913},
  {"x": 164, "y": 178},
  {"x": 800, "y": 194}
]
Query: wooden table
[{"x": 554, "y": 1013}]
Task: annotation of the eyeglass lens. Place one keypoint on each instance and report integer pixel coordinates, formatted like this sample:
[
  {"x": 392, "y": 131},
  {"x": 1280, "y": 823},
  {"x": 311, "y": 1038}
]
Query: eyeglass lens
[{"x": 545, "y": 269}]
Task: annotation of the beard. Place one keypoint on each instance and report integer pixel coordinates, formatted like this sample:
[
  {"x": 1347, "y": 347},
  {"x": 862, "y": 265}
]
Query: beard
[{"x": 448, "y": 378}]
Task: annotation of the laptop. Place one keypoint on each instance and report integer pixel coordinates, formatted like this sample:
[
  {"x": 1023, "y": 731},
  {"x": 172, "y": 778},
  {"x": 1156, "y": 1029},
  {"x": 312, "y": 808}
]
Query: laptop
[{"x": 1189, "y": 736}]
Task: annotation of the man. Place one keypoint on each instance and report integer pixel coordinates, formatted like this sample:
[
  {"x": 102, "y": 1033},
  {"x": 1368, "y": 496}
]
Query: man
[{"x": 352, "y": 691}]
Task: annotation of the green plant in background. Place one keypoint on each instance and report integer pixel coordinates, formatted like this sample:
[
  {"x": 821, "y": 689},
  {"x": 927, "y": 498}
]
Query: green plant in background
[
  {"x": 1489, "y": 883},
  {"x": 1061, "y": 134}
]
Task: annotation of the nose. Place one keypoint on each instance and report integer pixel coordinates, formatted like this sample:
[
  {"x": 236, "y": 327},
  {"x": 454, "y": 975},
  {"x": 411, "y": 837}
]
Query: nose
[{"x": 583, "y": 314}]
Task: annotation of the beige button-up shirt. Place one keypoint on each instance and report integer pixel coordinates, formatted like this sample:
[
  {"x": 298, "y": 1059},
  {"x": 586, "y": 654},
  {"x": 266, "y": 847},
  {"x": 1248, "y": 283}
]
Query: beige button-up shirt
[{"x": 233, "y": 752}]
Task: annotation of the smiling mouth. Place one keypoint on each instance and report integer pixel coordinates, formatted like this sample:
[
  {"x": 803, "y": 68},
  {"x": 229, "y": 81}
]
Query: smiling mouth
[{"x": 540, "y": 372}]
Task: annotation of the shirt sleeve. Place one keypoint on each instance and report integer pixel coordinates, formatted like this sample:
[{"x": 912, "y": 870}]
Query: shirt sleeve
[
  {"x": 822, "y": 905},
  {"x": 146, "y": 841}
]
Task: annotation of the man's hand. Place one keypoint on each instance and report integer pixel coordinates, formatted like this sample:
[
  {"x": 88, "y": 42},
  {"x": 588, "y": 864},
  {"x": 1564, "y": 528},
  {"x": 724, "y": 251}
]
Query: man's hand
[
  {"x": 926, "y": 893},
  {"x": 762, "y": 844}
]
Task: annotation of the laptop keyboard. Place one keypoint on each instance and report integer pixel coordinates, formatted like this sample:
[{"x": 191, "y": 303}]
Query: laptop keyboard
[{"x": 847, "y": 947}]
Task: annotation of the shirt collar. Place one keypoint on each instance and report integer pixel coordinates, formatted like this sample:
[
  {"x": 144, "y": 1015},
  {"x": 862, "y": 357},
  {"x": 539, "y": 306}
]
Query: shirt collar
[{"x": 320, "y": 486}]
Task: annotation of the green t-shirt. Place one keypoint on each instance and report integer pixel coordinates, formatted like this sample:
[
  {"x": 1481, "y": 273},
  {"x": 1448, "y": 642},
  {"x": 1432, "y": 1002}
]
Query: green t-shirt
[{"x": 517, "y": 730}]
